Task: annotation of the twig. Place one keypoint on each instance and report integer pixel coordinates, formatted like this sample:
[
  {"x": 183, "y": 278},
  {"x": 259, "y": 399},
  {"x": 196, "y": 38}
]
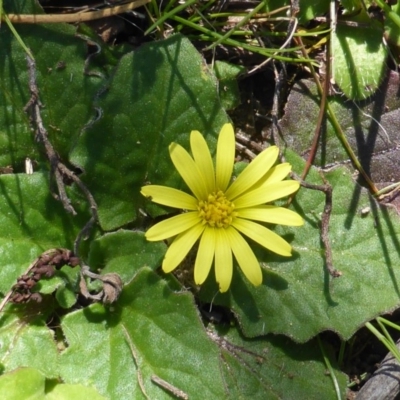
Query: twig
[
  {"x": 321, "y": 114},
  {"x": 180, "y": 394},
  {"x": 59, "y": 170},
  {"x": 287, "y": 42},
  {"x": 326, "y": 215},
  {"x": 76, "y": 17},
  {"x": 135, "y": 358}
]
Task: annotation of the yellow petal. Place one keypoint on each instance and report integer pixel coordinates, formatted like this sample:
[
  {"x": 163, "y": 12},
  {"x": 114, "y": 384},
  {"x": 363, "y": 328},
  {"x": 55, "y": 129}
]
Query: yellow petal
[
  {"x": 245, "y": 257},
  {"x": 205, "y": 255},
  {"x": 225, "y": 156},
  {"x": 278, "y": 173},
  {"x": 275, "y": 174},
  {"x": 271, "y": 214},
  {"x": 266, "y": 194},
  {"x": 180, "y": 247},
  {"x": 188, "y": 170},
  {"x": 263, "y": 236},
  {"x": 170, "y": 197},
  {"x": 172, "y": 226},
  {"x": 223, "y": 260},
  {"x": 202, "y": 157},
  {"x": 253, "y": 172}
]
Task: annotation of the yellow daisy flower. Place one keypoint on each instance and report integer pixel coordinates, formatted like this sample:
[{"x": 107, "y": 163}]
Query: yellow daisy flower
[{"x": 220, "y": 211}]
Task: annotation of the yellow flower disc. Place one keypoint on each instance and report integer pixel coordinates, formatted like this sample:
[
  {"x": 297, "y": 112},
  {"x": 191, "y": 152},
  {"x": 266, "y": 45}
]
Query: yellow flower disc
[{"x": 217, "y": 211}]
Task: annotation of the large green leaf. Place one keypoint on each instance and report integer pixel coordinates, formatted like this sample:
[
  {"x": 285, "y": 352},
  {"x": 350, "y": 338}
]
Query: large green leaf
[
  {"x": 155, "y": 334},
  {"x": 150, "y": 331},
  {"x": 157, "y": 95}
]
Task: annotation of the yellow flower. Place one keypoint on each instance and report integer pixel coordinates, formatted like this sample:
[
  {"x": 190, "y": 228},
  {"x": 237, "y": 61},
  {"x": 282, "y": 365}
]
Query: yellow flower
[{"x": 220, "y": 211}]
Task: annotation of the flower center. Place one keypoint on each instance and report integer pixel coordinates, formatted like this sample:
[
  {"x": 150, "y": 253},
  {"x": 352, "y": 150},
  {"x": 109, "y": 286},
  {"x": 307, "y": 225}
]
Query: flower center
[{"x": 217, "y": 211}]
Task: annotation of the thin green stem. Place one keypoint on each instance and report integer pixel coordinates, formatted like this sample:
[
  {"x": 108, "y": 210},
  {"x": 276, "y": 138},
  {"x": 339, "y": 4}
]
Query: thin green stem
[
  {"x": 330, "y": 369},
  {"x": 341, "y": 352},
  {"x": 243, "y": 22},
  {"x": 387, "y": 189},
  {"x": 169, "y": 15},
  {"x": 387, "y": 322},
  {"x": 169, "y": 5},
  {"x": 235, "y": 43},
  {"x": 205, "y": 7},
  {"x": 385, "y": 338},
  {"x": 16, "y": 35},
  {"x": 264, "y": 33}
]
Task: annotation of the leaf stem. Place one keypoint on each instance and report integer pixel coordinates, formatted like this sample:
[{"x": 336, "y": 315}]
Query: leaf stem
[{"x": 338, "y": 129}]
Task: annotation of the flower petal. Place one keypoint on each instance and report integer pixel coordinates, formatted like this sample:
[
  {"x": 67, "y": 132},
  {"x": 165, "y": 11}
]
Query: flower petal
[
  {"x": 202, "y": 157},
  {"x": 275, "y": 174},
  {"x": 271, "y": 214},
  {"x": 253, "y": 172},
  {"x": 278, "y": 173},
  {"x": 225, "y": 157},
  {"x": 172, "y": 226},
  {"x": 170, "y": 197},
  {"x": 205, "y": 255},
  {"x": 223, "y": 260},
  {"x": 180, "y": 247},
  {"x": 263, "y": 236},
  {"x": 245, "y": 257},
  {"x": 188, "y": 170},
  {"x": 266, "y": 194}
]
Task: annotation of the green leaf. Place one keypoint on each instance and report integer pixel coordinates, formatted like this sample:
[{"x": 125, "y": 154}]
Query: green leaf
[
  {"x": 30, "y": 384},
  {"x": 150, "y": 331},
  {"x": 157, "y": 95},
  {"x": 227, "y": 75},
  {"x": 23, "y": 384},
  {"x": 64, "y": 283},
  {"x": 358, "y": 59},
  {"x": 392, "y": 30},
  {"x": 26, "y": 341},
  {"x": 76, "y": 392},
  {"x": 268, "y": 367},
  {"x": 125, "y": 252},
  {"x": 33, "y": 221}
]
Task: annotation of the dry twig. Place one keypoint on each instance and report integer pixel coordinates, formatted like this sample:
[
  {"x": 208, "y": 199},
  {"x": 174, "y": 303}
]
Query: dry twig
[
  {"x": 75, "y": 17},
  {"x": 58, "y": 168}
]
